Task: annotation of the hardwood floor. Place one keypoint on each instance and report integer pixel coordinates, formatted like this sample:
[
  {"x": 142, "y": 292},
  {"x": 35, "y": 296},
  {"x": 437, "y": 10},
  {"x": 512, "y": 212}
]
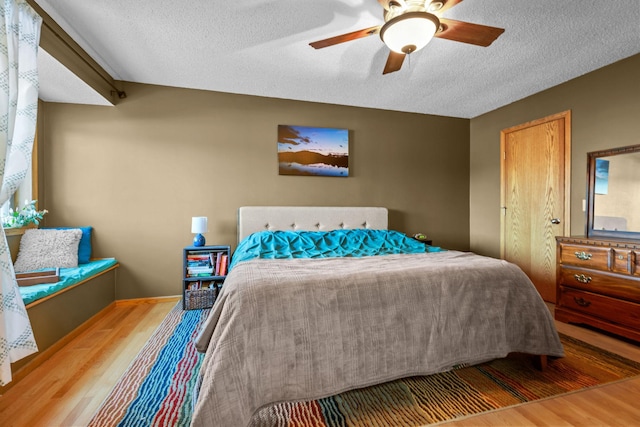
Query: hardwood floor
[
  {"x": 615, "y": 404},
  {"x": 68, "y": 388}
]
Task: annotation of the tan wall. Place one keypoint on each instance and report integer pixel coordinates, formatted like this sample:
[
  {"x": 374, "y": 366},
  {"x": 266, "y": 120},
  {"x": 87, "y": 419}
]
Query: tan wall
[
  {"x": 605, "y": 106},
  {"x": 139, "y": 171}
]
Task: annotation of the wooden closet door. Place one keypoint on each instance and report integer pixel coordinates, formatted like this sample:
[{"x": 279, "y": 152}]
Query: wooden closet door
[{"x": 535, "y": 195}]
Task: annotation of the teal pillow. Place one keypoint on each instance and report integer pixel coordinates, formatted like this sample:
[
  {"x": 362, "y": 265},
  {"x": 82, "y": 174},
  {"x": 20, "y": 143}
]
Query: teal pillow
[{"x": 84, "y": 247}]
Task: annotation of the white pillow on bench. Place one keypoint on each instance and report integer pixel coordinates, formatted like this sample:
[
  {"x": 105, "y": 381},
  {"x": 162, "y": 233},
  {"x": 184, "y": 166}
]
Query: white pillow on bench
[{"x": 47, "y": 248}]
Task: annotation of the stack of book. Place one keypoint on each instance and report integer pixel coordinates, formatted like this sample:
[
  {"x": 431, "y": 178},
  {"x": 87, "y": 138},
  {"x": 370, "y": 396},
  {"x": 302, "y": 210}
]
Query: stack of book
[
  {"x": 206, "y": 263},
  {"x": 199, "y": 264}
]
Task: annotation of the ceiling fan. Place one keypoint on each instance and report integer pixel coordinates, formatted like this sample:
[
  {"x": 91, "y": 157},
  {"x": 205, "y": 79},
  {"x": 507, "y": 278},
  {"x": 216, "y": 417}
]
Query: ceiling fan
[{"x": 410, "y": 24}]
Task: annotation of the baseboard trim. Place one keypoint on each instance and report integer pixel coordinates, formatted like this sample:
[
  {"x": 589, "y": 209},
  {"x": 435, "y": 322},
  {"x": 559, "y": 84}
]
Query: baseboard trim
[{"x": 152, "y": 300}]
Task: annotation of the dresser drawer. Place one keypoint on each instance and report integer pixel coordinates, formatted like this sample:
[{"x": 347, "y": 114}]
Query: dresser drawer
[
  {"x": 585, "y": 256},
  {"x": 611, "y": 309},
  {"x": 600, "y": 282},
  {"x": 623, "y": 261}
]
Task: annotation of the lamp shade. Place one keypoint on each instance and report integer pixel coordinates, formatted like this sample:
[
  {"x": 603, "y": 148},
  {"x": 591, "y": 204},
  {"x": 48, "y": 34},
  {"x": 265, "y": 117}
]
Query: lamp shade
[
  {"x": 410, "y": 31},
  {"x": 199, "y": 224}
]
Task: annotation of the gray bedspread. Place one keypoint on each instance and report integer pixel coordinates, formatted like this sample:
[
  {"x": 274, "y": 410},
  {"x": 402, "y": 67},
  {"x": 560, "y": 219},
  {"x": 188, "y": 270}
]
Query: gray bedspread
[{"x": 299, "y": 329}]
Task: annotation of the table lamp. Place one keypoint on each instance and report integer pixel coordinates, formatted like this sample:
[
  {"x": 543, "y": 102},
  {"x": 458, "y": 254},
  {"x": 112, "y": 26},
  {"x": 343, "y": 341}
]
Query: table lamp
[{"x": 199, "y": 226}]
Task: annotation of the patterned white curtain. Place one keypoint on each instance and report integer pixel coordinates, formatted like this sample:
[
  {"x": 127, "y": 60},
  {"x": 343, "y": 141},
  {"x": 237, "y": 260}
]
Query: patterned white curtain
[{"x": 19, "y": 38}]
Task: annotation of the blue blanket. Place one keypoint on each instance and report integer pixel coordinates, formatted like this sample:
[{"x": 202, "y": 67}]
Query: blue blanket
[
  {"x": 68, "y": 277},
  {"x": 326, "y": 244}
]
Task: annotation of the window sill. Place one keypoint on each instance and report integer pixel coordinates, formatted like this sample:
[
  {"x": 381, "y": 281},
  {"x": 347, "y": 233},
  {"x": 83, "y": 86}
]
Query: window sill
[{"x": 18, "y": 231}]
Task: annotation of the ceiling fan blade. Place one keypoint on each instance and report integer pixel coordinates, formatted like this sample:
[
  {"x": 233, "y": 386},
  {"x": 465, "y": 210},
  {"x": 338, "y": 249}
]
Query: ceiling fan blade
[
  {"x": 435, "y": 7},
  {"x": 466, "y": 32},
  {"x": 394, "y": 62},
  {"x": 346, "y": 37}
]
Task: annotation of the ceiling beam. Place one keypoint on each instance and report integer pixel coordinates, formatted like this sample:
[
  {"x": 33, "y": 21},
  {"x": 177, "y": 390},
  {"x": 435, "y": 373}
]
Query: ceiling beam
[{"x": 65, "y": 50}]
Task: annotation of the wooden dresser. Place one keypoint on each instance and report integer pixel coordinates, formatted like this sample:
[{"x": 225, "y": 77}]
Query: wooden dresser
[{"x": 598, "y": 284}]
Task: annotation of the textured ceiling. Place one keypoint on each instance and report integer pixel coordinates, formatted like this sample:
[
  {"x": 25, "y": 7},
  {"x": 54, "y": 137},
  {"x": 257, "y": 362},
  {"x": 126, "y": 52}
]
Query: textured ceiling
[
  {"x": 58, "y": 84},
  {"x": 261, "y": 47}
]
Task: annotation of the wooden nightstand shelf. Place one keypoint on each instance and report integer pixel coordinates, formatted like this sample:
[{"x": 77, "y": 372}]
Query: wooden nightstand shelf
[{"x": 204, "y": 269}]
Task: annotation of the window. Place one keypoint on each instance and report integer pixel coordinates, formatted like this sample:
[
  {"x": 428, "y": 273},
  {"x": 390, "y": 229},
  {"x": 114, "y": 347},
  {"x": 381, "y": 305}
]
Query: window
[{"x": 28, "y": 189}]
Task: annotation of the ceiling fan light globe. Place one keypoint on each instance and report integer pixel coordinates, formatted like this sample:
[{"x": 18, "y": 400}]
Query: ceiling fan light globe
[{"x": 410, "y": 31}]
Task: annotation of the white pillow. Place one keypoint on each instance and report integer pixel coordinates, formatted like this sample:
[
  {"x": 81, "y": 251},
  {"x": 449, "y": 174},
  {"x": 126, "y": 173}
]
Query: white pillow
[{"x": 48, "y": 249}]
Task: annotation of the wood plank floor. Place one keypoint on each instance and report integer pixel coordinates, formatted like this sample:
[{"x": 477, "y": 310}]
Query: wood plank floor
[
  {"x": 68, "y": 388},
  {"x": 615, "y": 404}
]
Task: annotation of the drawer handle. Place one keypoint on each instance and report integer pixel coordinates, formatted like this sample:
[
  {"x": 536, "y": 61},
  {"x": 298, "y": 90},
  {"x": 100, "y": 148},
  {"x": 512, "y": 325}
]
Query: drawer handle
[
  {"x": 582, "y": 278},
  {"x": 583, "y": 256},
  {"x": 582, "y": 302}
]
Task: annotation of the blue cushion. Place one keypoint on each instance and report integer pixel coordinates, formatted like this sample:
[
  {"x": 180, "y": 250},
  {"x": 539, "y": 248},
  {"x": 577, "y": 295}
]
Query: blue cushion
[
  {"x": 84, "y": 247},
  {"x": 68, "y": 277}
]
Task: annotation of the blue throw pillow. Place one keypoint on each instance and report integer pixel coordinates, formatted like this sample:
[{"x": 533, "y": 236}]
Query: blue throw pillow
[{"x": 84, "y": 247}]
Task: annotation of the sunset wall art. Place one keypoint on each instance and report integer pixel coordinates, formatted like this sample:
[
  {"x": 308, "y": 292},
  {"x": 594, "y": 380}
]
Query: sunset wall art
[{"x": 312, "y": 151}]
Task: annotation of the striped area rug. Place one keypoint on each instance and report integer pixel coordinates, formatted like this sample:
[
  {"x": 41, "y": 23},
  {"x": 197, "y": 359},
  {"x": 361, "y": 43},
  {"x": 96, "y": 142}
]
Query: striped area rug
[{"x": 156, "y": 390}]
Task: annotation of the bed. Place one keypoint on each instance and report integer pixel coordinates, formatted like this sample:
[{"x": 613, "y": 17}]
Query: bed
[{"x": 302, "y": 318}]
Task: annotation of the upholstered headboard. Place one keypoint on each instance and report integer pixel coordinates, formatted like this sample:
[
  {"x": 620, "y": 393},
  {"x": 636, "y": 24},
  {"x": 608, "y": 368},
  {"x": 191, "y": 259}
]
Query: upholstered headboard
[{"x": 308, "y": 218}]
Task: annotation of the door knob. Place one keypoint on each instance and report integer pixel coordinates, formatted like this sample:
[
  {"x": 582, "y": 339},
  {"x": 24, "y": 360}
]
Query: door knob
[{"x": 555, "y": 221}]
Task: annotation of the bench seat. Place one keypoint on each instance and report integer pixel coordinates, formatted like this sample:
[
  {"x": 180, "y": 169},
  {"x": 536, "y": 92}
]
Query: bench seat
[{"x": 68, "y": 278}]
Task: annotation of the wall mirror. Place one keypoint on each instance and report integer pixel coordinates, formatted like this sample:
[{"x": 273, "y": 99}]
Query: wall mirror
[{"x": 613, "y": 193}]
